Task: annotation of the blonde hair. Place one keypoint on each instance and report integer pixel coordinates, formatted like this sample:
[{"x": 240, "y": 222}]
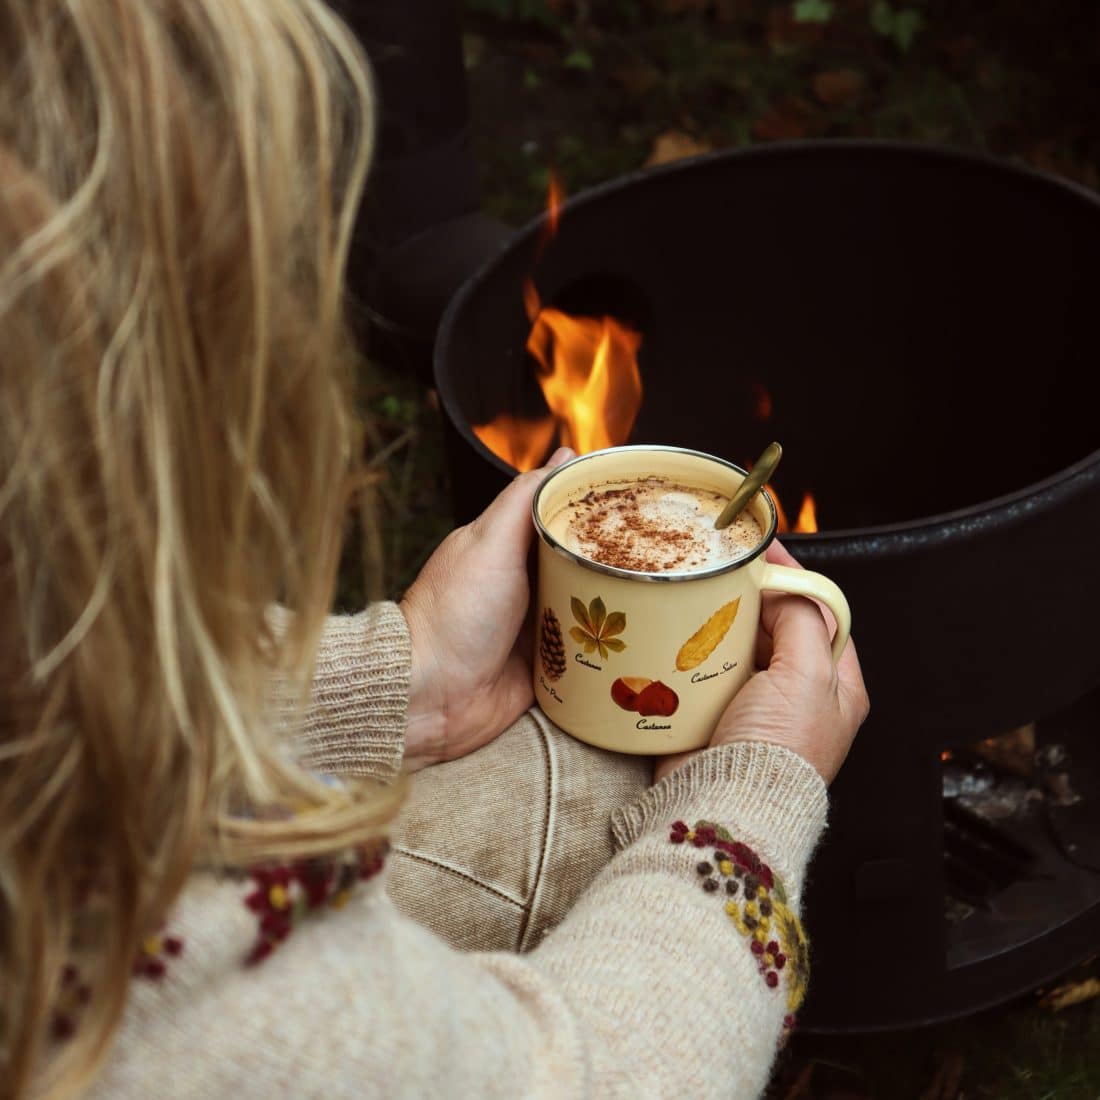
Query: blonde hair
[{"x": 178, "y": 184}]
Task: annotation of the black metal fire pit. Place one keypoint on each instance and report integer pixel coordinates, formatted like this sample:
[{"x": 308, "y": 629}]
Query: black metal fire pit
[{"x": 928, "y": 318}]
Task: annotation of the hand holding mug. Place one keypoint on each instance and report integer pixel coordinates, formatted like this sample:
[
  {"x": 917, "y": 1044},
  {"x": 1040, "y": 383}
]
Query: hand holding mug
[
  {"x": 800, "y": 699},
  {"x": 466, "y": 613}
]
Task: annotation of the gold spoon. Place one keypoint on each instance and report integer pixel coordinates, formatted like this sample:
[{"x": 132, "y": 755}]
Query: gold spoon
[{"x": 761, "y": 474}]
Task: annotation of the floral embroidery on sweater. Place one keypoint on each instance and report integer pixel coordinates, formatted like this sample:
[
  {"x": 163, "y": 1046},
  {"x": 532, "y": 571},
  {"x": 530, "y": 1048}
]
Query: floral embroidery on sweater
[
  {"x": 73, "y": 995},
  {"x": 756, "y": 904},
  {"x": 75, "y": 992},
  {"x": 152, "y": 961},
  {"x": 284, "y": 894}
]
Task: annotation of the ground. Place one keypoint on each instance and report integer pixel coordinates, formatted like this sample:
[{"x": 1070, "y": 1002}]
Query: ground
[{"x": 590, "y": 90}]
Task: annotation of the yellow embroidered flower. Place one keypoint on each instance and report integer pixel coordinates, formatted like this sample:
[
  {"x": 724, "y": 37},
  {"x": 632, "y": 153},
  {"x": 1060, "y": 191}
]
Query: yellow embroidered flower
[{"x": 797, "y": 950}]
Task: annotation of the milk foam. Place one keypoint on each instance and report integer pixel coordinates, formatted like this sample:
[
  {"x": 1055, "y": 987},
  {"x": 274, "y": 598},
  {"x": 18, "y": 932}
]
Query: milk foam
[{"x": 652, "y": 526}]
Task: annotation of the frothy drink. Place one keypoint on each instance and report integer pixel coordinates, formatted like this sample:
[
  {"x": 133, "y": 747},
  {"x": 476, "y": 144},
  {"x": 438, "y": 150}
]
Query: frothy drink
[{"x": 652, "y": 525}]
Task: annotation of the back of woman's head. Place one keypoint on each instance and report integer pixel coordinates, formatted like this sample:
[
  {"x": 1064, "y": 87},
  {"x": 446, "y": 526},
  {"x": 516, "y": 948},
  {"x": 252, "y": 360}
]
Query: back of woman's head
[{"x": 177, "y": 187}]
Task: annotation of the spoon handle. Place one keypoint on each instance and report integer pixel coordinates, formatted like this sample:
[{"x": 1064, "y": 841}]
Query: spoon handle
[{"x": 760, "y": 475}]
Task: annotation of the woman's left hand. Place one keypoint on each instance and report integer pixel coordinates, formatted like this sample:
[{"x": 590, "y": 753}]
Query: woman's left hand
[{"x": 466, "y": 612}]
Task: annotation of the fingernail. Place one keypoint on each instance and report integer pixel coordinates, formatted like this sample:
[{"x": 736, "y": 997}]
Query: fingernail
[{"x": 562, "y": 454}]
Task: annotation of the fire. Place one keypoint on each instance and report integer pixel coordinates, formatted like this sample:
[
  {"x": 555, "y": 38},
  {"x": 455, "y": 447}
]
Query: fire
[
  {"x": 761, "y": 402},
  {"x": 521, "y": 443},
  {"x": 555, "y": 199},
  {"x": 805, "y": 524},
  {"x": 807, "y": 515},
  {"x": 588, "y": 373}
]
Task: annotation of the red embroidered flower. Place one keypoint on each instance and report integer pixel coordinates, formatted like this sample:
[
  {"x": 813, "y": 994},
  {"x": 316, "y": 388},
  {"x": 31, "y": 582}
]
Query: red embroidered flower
[
  {"x": 155, "y": 951},
  {"x": 284, "y": 894}
]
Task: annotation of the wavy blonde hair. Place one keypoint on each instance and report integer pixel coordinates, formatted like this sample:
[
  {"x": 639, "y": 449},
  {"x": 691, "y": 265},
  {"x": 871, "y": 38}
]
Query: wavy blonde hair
[{"x": 178, "y": 184}]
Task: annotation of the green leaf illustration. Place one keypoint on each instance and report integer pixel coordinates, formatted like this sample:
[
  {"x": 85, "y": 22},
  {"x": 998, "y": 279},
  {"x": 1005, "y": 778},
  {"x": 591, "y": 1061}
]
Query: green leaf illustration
[
  {"x": 597, "y": 613},
  {"x": 597, "y": 627},
  {"x": 580, "y": 613},
  {"x": 614, "y": 624}
]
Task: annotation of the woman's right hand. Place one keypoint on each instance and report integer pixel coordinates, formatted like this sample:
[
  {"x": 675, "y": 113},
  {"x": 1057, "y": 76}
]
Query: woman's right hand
[{"x": 800, "y": 699}]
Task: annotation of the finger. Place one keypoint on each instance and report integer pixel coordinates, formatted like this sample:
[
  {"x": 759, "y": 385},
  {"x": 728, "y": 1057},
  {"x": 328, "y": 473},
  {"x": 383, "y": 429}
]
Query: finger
[
  {"x": 764, "y": 643},
  {"x": 778, "y": 554},
  {"x": 800, "y": 636},
  {"x": 507, "y": 520},
  {"x": 560, "y": 456},
  {"x": 854, "y": 702}
]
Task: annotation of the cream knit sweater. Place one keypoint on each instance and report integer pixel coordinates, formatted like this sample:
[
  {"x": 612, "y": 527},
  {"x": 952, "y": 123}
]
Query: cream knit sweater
[{"x": 673, "y": 975}]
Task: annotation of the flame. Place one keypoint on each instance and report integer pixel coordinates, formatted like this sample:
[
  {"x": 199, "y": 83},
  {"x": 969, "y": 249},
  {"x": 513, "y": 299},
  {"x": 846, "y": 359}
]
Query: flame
[
  {"x": 761, "y": 402},
  {"x": 522, "y": 443},
  {"x": 589, "y": 377},
  {"x": 807, "y": 515},
  {"x": 588, "y": 373},
  {"x": 806, "y": 524},
  {"x": 555, "y": 199}
]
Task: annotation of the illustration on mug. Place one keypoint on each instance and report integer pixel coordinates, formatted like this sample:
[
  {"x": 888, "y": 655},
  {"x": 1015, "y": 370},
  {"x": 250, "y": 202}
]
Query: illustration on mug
[
  {"x": 649, "y": 698},
  {"x": 551, "y": 646},
  {"x": 708, "y": 637},
  {"x": 596, "y": 629}
]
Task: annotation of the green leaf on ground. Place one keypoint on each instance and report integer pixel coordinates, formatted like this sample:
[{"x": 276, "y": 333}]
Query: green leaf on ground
[
  {"x": 900, "y": 25},
  {"x": 580, "y": 59},
  {"x": 813, "y": 11}
]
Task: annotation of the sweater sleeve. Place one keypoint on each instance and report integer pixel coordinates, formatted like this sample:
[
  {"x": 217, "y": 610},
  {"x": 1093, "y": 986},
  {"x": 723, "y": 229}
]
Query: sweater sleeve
[
  {"x": 657, "y": 984},
  {"x": 354, "y": 721}
]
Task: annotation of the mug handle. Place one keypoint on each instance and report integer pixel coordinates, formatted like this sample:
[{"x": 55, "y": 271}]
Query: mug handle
[{"x": 802, "y": 582}]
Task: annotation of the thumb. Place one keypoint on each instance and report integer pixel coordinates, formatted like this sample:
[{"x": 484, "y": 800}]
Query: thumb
[{"x": 508, "y": 518}]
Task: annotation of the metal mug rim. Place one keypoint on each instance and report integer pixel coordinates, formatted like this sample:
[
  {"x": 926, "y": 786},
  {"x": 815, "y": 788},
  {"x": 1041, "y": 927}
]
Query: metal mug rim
[{"x": 634, "y": 575}]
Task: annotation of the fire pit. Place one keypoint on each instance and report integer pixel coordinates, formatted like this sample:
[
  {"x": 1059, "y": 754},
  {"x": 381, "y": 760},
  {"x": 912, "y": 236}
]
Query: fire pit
[{"x": 929, "y": 318}]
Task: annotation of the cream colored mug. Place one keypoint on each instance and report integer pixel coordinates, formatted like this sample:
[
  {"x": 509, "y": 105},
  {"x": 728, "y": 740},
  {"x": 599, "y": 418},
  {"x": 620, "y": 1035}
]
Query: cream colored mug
[{"x": 647, "y": 662}]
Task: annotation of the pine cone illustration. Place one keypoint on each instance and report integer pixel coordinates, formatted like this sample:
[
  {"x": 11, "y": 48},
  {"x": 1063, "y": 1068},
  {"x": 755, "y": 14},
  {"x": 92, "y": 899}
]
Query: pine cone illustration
[{"x": 551, "y": 646}]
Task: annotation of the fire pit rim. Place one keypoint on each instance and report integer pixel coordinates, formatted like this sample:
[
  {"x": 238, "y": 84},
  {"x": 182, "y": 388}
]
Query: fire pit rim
[{"x": 942, "y": 527}]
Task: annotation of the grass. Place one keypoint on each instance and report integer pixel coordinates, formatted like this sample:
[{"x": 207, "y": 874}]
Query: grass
[
  {"x": 1021, "y": 1051},
  {"x": 1007, "y": 77}
]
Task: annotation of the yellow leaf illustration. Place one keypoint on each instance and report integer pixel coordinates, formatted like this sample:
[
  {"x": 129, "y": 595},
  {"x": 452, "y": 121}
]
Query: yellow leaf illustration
[{"x": 705, "y": 640}]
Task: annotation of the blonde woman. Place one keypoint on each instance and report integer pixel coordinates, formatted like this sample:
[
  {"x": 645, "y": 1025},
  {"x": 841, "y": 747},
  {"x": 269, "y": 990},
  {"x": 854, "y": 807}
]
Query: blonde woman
[{"x": 190, "y": 906}]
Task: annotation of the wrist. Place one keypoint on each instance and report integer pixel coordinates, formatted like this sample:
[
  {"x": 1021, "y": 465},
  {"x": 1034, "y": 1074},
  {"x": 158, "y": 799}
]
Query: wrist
[{"x": 426, "y": 729}]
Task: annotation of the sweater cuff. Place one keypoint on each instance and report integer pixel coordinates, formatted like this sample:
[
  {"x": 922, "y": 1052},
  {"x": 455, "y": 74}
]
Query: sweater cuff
[
  {"x": 355, "y": 721},
  {"x": 769, "y": 796}
]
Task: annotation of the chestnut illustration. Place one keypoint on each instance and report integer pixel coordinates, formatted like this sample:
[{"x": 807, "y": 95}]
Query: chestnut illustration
[
  {"x": 626, "y": 689},
  {"x": 649, "y": 698}
]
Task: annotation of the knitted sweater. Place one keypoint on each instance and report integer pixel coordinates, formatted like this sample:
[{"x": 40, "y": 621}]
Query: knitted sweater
[{"x": 675, "y": 974}]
